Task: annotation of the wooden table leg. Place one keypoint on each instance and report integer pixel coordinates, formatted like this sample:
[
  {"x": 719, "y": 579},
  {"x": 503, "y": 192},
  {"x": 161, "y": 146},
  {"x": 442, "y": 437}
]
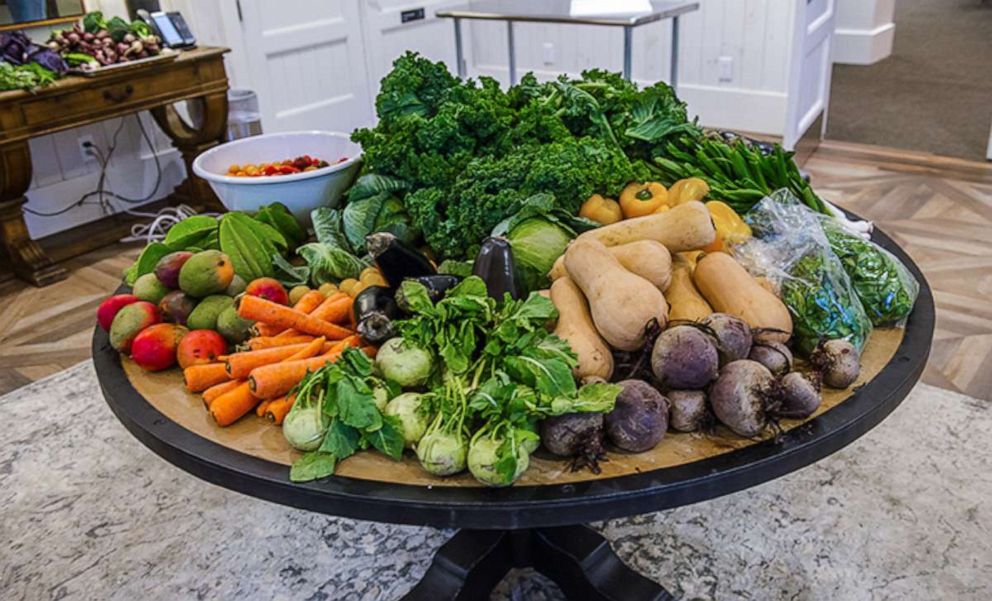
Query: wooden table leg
[
  {"x": 26, "y": 258},
  {"x": 193, "y": 140}
]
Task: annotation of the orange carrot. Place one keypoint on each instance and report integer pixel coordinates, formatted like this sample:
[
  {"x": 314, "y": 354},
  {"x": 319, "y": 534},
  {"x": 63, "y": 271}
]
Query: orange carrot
[
  {"x": 232, "y": 405},
  {"x": 201, "y": 377},
  {"x": 336, "y": 309},
  {"x": 309, "y": 301},
  {"x": 278, "y": 409},
  {"x": 260, "y": 410},
  {"x": 312, "y": 349},
  {"x": 271, "y": 381},
  {"x": 239, "y": 365},
  {"x": 264, "y": 342},
  {"x": 218, "y": 389},
  {"x": 264, "y": 311},
  {"x": 265, "y": 329}
]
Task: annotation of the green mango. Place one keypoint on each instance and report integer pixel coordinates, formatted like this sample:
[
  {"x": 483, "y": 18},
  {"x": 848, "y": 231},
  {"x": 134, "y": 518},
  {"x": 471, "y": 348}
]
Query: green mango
[
  {"x": 204, "y": 316},
  {"x": 232, "y": 327}
]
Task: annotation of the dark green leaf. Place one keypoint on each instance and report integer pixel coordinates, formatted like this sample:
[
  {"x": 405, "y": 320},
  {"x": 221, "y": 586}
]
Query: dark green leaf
[
  {"x": 357, "y": 407},
  {"x": 312, "y": 466},
  {"x": 290, "y": 275},
  {"x": 372, "y": 184},
  {"x": 146, "y": 262},
  {"x": 192, "y": 231},
  {"x": 389, "y": 438},
  {"x": 341, "y": 440}
]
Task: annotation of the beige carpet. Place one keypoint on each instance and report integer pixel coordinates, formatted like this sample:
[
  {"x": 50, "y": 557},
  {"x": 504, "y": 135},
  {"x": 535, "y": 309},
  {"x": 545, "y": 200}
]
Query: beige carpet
[{"x": 88, "y": 513}]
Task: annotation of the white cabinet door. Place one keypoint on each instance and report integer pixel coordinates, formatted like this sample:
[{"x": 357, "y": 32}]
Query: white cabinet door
[
  {"x": 387, "y": 36},
  {"x": 308, "y": 64},
  {"x": 810, "y": 66}
]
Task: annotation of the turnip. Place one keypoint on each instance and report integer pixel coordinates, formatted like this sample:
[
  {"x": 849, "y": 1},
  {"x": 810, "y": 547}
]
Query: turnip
[
  {"x": 442, "y": 453},
  {"x": 739, "y": 396},
  {"x": 411, "y": 410},
  {"x": 572, "y": 434},
  {"x": 304, "y": 427},
  {"x": 838, "y": 363},
  {"x": 798, "y": 396},
  {"x": 403, "y": 362},
  {"x": 688, "y": 410},
  {"x": 485, "y": 455},
  {"x": 639, "y": 419},
  {"x": 732, "y": 334},
  {"x": 684, "y": 358},
  {"x": 774, "y": 355}
]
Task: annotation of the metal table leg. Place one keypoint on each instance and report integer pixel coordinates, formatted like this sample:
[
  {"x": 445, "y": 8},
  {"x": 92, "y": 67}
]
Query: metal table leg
[
  {"x": 673, "y": 72},
  {"x": 459, "y": 51},
  {"x": 513, "y": 56},
  {"x": 628, "y": 43}
]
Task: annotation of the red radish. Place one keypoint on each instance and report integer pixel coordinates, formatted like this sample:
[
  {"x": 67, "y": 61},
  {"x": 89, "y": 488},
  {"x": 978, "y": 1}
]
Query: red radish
[
  {"x": 200, "y": 346},
  {"x": 268, "y": 288},
  {"x": 131, "y": 320},
  {"x": 154, "y": 348},
  {"x": 110, "y": 306}
]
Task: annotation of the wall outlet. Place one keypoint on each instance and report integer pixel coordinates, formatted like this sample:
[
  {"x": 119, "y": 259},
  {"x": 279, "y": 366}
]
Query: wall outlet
[
  {"x": 549, "y": 54},
  {"x": 86, "y": 146},
  {"x": 726, "y": 68}
]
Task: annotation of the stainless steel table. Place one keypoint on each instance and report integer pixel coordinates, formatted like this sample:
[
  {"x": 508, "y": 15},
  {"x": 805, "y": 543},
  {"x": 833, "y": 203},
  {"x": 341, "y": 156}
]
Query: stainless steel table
[{"x": 574, "y": 12}]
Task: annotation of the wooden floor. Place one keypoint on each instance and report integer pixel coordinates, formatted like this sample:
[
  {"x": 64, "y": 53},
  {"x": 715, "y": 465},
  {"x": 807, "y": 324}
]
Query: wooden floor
[{"x": 939, "y": 209}]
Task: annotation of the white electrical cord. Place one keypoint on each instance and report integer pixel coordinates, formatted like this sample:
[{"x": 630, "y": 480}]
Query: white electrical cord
[{"x": 161, "y": 223}]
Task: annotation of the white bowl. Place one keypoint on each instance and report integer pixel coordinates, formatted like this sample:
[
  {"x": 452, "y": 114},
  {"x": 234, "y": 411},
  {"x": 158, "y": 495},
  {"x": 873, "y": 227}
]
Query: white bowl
[{"x": 301, "y": 192}]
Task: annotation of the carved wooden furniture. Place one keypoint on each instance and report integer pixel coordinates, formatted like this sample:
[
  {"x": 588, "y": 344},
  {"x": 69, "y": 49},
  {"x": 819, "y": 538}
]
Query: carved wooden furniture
[{"x": 196, "y": 75}]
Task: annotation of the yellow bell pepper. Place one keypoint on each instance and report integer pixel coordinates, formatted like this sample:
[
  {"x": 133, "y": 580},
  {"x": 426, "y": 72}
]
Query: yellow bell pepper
[
  {"x": 684, "y": 190},
  {"x": 601, "y": 210},
  {"x": 730, "y": 228},
  {"x": 638, "y": 200}
]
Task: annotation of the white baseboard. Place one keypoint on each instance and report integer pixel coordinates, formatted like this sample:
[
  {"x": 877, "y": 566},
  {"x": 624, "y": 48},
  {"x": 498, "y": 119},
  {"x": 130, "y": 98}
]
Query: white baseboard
[
  {"x": 737, "y": 109},
  {"x": 135, "y": 179},
  {"x": 740, "y": 109},
  {"x": 863, "y": 46}
]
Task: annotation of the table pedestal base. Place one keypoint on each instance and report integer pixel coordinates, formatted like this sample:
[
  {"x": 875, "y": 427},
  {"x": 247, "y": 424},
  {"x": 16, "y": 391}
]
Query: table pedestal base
[{"x": 576, "y": 558}]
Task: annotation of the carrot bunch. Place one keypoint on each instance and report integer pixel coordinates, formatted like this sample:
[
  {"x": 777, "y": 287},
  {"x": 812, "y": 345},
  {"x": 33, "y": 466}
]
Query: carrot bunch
[{"x": 297, "y": 340}]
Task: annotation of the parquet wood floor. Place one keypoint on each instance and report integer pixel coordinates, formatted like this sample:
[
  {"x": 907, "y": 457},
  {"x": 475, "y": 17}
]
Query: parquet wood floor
[{"x": 939, "y": 209}]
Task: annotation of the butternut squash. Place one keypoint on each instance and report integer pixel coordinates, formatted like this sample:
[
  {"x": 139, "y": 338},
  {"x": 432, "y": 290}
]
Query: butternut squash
[
  {"x": 729, "y": 288},
  {"x": 621, "y": 303},
  {"x": 646, "y": 258},
  {"x": 575, "y": 326},
  {"x": 684, "y": 301},
  {"x": 688, "y": 226}
]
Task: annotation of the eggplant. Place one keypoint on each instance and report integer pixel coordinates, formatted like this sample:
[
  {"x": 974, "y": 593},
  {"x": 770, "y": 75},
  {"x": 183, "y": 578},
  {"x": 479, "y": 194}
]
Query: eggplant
[
  {"x": 396, "y": 259},
  {"x": 437, "y": 286},
  {"x": 374, "y": 310},
  {"x": 494, "y": 264}
]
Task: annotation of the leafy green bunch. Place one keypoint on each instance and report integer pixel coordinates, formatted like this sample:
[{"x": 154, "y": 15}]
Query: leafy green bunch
[
  {"x": 344, "y": 393},
  {"x": 502, "y": 370},
  {"x": 471, "y": 153}
]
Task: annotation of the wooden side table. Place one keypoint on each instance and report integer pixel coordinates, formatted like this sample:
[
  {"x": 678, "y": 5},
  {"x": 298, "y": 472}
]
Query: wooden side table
[{"x": 196, "y": 74}]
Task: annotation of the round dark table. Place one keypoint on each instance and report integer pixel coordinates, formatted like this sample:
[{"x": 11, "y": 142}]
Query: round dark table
[{"x": 533, "y": 526}]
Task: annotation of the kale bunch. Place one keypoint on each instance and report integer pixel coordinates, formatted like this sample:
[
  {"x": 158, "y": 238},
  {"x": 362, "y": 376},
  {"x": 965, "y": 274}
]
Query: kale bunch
[{"x": 471, "y": 153}]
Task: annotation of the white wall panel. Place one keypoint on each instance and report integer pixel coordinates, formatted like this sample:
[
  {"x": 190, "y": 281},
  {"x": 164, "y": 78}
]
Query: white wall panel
[{"x": 387, "y": 37}]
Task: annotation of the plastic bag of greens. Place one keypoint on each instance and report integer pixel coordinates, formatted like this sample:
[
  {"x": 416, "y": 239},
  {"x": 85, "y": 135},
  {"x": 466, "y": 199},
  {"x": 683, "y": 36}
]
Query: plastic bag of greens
[
  {"x": 791, "y": 250},
  {"x": 886, "y": 288}
]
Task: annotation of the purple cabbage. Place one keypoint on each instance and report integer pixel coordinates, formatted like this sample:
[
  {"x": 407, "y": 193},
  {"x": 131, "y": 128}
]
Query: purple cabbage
[{"x": 17, "y": 48}]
